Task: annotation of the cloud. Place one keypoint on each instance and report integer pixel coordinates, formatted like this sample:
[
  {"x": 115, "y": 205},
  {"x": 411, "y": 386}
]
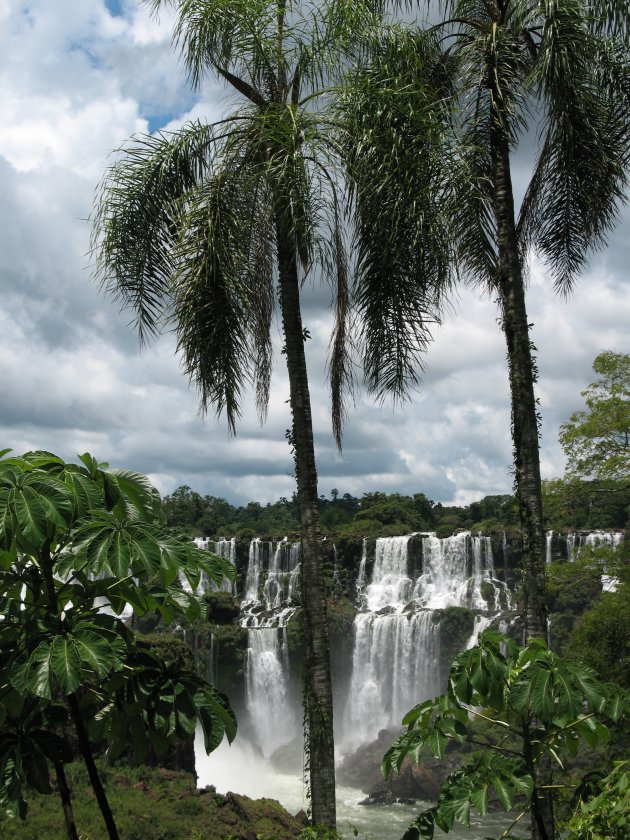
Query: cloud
[{"x": 76, "y": 81}]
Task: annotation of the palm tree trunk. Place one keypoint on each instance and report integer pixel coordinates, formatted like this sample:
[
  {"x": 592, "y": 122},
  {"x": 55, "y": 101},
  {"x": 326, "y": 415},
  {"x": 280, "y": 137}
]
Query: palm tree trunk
[
  {"x": 525, "y": 442},
  {"x": 524, "y": 411},
  {"x": 318, "y": 686}
]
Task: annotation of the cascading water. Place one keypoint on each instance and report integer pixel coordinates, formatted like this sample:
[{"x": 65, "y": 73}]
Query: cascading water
[
  {"x": 361, "y": 575},
  {"x": 578, "y": 540},
  {"x": 395, "y": 664},
  {"x": 270, "y": 584},
  {"x": 270, "y": 706},
  {"x": 396, "y": 659},
  {"x": 222, "y": 548}
]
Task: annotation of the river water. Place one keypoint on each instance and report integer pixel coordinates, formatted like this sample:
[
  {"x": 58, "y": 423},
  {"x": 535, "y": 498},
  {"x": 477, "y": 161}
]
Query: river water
[{"x": 241, "y": 768}]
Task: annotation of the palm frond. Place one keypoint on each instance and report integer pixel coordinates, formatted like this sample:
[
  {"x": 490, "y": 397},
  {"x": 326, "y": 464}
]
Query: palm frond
[
  {"x": 393, "y": 115},
  {"x": 340, "y": 366},
  {"x": 610, "y": 17},
  {"x": 136, "y": 219},
  {"x": 211, "y": 294},
  {"x": 233, "y": 37},
  {"x": 580, "y": 176}
]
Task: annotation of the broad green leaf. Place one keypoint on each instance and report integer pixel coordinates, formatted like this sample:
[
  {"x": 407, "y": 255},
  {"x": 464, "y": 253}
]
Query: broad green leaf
[
  {"x": 503, "y": 790},
  {"x": 32, "y": 674},
  {"x": 423, "y": 828},
  {"x": 95, "y": 652},
  {"x": 30, "y": 515},
  {"x": 119, "y": 554},
  {"x": 216, "y": 717},
  {"x": 138, "y": 496},
  {"x": 437, "y": 743},
  {"x": 86, "y": 495},
  {"x": 66, "y": 663},
  {"x": 54, "y": 497},
  {"x": 35, "y": 766}
]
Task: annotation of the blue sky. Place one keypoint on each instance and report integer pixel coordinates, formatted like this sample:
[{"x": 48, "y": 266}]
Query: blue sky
[{"x": 78, "y": 79}]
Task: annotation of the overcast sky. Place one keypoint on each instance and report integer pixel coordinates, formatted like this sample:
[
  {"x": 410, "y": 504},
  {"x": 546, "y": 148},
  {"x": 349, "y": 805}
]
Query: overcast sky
[{"x": 76, "y": 80}]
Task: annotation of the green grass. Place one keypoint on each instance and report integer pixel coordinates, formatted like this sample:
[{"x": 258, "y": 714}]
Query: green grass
[{"x": 153, "y": 804}]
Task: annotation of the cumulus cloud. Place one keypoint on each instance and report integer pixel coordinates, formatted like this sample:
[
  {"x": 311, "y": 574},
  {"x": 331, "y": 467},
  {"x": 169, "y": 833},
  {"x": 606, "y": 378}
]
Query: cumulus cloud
[{"x": 76, "y": 81}]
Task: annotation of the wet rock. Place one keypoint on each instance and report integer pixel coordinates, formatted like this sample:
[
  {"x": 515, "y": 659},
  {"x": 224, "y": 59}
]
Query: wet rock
[{"x": 381, "y": 797}]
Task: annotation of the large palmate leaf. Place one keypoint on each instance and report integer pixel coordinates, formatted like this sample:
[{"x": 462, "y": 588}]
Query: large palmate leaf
[
  {"x": 157, "y": 704},
  {"x": 62, "y": 662},
  {"x": 98, "y": 650},
  {"x": 32, "y": 672},
  {"x": 216, "y": 717},
  {"x": 33, "y": 505}
]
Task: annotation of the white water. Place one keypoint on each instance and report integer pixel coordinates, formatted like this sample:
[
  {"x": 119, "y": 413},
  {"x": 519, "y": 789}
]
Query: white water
[
  {"x": 396, "y": 658},
  {"x": 272, "y": 714},
  {"x": 396, "y": 664},
  {"x": 390, "y": 584},
  {"x": 592, "y": 539},
  {"x": 242, "y": 769},
  {"x": 222, "y": 548}
]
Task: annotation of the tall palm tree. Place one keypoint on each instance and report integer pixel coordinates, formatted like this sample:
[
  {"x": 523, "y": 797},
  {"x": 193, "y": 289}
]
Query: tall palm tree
[
  {"x": 518, "y": 68},
  {"x": 202, "y": 230}
]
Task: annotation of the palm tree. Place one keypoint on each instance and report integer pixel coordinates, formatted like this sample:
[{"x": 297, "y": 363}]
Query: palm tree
[
  {"x": 203, "y": 229},
  {"x": 517, "y": 68}
]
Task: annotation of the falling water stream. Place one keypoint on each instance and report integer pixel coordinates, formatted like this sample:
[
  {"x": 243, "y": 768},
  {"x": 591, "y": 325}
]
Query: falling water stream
[{"x": 395, "y": 664}]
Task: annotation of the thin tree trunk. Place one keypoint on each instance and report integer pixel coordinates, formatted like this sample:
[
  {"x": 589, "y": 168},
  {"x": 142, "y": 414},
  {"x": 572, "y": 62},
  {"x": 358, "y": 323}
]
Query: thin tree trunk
[
  {"x": 318, "y": 686},
  {"x": 522, "y": 376},
  {"x": 66, "y": 801},
  {"x": 75, "y": 713},
  {"x": 88, "y": 758}
]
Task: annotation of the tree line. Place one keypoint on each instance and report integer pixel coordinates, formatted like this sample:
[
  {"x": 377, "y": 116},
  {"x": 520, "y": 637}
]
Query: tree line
[{"x": 568, "y": 505}]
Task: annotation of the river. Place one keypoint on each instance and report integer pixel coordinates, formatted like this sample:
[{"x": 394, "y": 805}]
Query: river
[{"x": 240, "y": 768}]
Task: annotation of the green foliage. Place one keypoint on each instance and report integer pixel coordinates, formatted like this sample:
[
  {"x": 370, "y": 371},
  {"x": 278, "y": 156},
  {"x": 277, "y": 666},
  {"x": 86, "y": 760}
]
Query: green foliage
[
  {"x": 574, "y": 503},
  {"x": 601, "y": 636},
  {"x": 153, "y": 804},
  {"x": 605, "y": 813},
  {"x": 75, "y": 537},
  {"x": 374, "y": 514},
  {"x": 596, "y": 442},
  {"x": 402, "y": 513},
  {"x": 541, "y": 707},
  {"x": 572, "y": 587}
]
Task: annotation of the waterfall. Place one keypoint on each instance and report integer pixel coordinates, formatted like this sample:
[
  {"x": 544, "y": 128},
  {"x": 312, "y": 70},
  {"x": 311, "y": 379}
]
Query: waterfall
[
  {"x": 593, "y": 539},
  {"x": 454, "y": 570},
  {"x": 548, "y": 546},
  {"x": 390, "y": 586},
  {"x": 266, "y": 611},
  {"x": 396, "y": 656},
  {"x": 272, "y": 714},
  {"x": 223, "y": 548},
  {"x": 482, "y": 622},
  {"x": 395, "y": 664},
  {"x": 360, "y": 583},
  {"x": 254, "y": 569}
]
